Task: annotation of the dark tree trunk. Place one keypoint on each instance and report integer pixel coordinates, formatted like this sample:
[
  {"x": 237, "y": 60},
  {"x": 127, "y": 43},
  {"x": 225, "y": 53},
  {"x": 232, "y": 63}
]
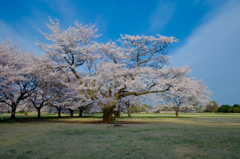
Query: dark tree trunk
[
  {"x": 176, "y": 110},
  {"x": 59, "y": 112},
  {"x": 13, "y": 112},
  {"x": 129, "y": 113},
  {"x": 80, "y": 112},
  {"x": 71, "y": 112},
  {"x": 107, "y": 114},
  {"x": 117, "y": 114},
  {"x": 177, "y": 114},
  {"x": 39, "y": 112}
]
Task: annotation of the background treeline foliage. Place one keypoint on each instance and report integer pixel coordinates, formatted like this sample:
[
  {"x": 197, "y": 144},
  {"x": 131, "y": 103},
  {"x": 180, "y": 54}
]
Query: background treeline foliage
[
  {"x": 227, "y": 108},
  {"x": 213, "y": 107}
]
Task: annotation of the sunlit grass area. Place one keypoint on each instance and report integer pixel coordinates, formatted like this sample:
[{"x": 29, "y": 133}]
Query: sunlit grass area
[{"x": 206, "y": 136}]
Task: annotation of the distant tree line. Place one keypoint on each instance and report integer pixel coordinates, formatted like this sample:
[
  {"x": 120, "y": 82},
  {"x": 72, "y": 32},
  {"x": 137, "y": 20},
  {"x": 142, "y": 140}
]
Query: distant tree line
[
  {"x": 213, "y": 107},
  {"x": 227, "y": 108}
]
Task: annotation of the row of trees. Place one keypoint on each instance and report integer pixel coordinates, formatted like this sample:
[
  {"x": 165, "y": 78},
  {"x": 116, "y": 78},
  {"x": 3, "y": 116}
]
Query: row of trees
[
  {"x": 227, "y": 108},
  {"x": 213, "y": 107},
  {"x": 76, "y": 71}
]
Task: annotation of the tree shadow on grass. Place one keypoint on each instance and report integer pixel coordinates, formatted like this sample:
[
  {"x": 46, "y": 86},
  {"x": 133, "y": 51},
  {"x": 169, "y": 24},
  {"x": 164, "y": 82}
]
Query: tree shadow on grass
[{"x": 30, "y": 120}]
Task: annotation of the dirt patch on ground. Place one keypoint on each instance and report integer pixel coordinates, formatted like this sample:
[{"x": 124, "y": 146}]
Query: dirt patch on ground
[{"x": 76, "y": 121}]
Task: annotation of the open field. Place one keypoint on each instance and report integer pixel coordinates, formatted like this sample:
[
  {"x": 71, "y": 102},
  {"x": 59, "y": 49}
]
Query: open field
[{"x": 193, "y": 136}]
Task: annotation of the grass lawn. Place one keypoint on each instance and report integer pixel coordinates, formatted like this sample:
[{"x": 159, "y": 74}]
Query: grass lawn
[{"x": 162, "y": 136}]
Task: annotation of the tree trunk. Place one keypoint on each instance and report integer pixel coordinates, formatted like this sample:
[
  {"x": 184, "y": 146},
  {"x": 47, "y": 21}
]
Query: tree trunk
[
  {"x": 80, "y": 112},
  {"x": 117, "y": 114},
  {"x": 107, "y": 114},
  {"x": 59, "y": 112},
  {"x": 13, "y": 112},
  {"x": 129, "y": 113},
  {"x": 177, "y": 114},
  {"x": 39, "y": 112},
  {"x": 176, "y": 111},
  {"x": 71, "y": 112}
]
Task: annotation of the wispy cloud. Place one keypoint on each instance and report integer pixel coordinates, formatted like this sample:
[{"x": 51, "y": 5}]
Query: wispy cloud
[
  {"x": 18, "y": 34},
  {"x": 65, "y": 10},
  {"x": 27, "y": 29},
  {"x": 162, "y": 15},
  {"x": 214, "y": 51},
  {"x": 102, "y": 26}
]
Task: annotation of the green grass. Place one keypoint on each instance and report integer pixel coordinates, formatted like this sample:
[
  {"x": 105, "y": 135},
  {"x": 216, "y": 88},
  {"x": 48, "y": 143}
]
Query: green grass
[{"x": 199, "y": 136}]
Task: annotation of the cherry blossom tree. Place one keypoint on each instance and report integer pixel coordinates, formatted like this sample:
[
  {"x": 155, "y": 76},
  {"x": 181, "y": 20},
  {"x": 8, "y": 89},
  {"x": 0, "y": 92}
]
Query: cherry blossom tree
[
  {"x": 130, "y": 102},
  {"x": 59, "y": 102},
  {"x": 50, "y": 83},
  {"x": 83, "y": 107},
  {"x": 25, "y": 106},
  {"x": 106, "y": 73},
  {"x": 188, "y": 92},
  {"x": 41, "y": 96},
  {"x": 65, "y": 98},
  {"x": 17, "y": 74},
  {"x": 4, "y": 108}
]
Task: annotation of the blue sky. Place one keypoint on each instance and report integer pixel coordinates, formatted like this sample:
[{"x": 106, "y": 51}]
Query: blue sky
[{"x": 208, "y": 31}]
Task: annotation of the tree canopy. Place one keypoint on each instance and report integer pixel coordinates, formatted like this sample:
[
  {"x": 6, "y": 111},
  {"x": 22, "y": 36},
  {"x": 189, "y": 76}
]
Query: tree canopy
[{"x": 81, "y": 71}]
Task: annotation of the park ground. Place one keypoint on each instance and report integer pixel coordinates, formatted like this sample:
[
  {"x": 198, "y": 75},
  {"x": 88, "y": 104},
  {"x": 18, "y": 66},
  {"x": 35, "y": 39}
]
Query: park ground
[{"x": 203, "y": 135}]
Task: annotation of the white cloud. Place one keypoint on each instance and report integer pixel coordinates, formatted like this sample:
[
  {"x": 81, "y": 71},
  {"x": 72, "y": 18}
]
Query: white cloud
[
  {"x": 214, "y": 51},
  {"x": 162, "y": 15},
  {"x": 101, "y": 23},
  {"x": 65, "y": 10},
  {"x": 19, "y": 34}
]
